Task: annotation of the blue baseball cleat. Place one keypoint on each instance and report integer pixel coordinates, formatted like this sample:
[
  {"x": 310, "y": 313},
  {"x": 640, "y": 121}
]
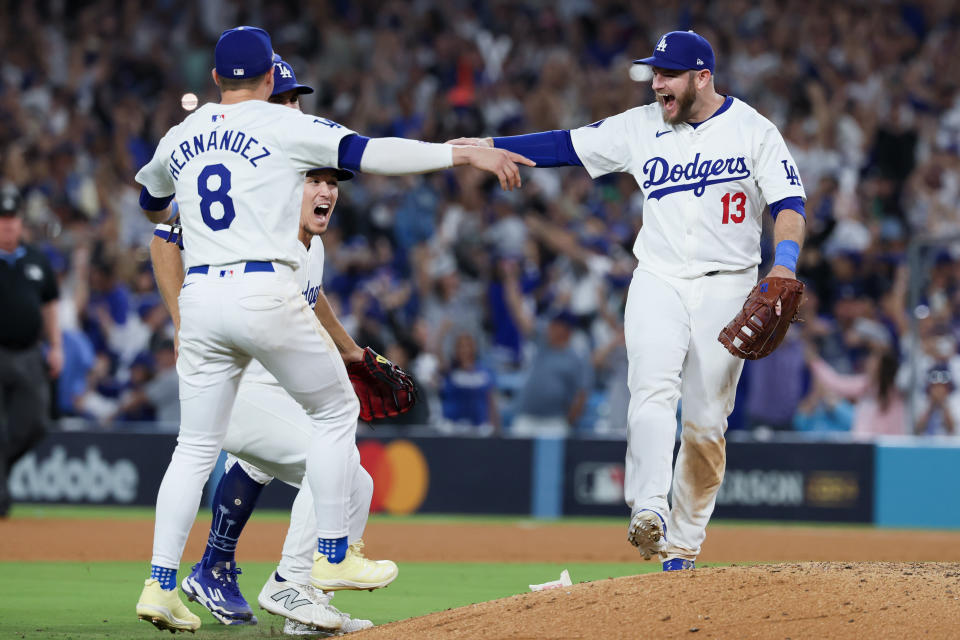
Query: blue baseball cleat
[
  {"x": 678, "y": 564},
  {"x": 217, "y": 590}
]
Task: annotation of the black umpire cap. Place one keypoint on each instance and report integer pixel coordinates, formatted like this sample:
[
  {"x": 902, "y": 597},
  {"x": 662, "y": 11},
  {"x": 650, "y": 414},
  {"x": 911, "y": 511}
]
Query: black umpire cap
[{"x": 9, "y": 202}]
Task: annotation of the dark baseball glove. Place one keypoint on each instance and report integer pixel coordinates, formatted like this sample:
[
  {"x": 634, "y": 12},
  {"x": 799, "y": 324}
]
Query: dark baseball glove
[
  {"x": 758, "y": 329},
  {"x": 384, "y": 389}
]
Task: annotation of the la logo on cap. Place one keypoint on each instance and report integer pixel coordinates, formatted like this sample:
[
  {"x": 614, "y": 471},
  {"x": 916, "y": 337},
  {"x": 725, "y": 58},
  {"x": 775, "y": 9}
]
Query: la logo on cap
[{"x": 662, "y": 45}]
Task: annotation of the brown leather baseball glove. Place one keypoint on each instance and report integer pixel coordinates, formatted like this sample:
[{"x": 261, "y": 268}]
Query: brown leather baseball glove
[
  {"x": 759, "y": 329},
  {"x": 384, "y": 389}
]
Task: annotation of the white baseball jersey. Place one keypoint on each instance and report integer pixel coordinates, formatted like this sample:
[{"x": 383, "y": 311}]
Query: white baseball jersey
[
  {"x": 237, "y": 172},
  {"x": 705, "y": 188}
]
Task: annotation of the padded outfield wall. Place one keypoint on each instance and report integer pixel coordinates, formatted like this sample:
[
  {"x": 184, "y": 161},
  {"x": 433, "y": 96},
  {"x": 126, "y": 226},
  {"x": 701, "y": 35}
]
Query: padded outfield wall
[{"x": 899, "y": 482}]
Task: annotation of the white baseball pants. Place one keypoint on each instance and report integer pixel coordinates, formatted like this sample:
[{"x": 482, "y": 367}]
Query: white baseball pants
[
  {"x": 270, "y": 434},
  {"x": 229, "y": 316},
  {"x": 671, "y": 327}
]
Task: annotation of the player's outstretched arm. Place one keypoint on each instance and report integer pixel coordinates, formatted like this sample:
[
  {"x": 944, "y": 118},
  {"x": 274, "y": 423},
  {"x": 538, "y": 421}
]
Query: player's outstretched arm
[
  {"x": 401, "y": 156},
  {"x": 499, "y": 162}
]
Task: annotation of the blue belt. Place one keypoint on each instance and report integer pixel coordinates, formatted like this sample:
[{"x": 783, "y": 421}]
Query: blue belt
[{"x": 249, "y": 267}]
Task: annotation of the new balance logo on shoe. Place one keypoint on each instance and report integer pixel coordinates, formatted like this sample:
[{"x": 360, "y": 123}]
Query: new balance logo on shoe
[{"x": 288, "y": 597}]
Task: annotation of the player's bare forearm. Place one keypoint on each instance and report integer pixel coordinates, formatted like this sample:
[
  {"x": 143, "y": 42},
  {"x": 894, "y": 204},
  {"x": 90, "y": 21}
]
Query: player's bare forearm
[
  {"x": 168, "y": 271},
  {"x": 157, "y": 217},
  {"x": 349, "y": 350},
  {"x": 790, "y": 225}
]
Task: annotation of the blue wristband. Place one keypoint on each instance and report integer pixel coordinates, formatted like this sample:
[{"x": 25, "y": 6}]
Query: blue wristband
[{"x": 786, "y": 254}]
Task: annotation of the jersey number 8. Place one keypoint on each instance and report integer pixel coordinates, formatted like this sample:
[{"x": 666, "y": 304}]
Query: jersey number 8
[{"x": 209, "y": 196}]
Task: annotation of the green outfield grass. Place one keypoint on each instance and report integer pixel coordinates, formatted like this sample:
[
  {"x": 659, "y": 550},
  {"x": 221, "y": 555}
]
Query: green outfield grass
[{"x": 83, "y": 601}]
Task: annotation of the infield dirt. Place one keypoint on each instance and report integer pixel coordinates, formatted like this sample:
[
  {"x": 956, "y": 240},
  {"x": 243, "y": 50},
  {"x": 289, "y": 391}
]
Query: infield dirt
[{"x": 852, "y": 583}]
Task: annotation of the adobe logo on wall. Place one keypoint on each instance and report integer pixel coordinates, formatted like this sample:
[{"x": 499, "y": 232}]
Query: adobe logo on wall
[{"x": 400, "y": 474}]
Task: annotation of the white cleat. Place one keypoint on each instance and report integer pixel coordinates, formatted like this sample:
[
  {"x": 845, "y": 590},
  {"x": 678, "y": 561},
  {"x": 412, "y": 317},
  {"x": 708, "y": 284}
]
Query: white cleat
[
  {"x": 299, "y": 603},
  {"x": 648, "y": 533}
]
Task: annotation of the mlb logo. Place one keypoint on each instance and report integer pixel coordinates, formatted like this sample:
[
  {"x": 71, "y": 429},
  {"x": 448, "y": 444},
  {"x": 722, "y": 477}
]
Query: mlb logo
[
  {"x": 238, "y": 72},
  {"x": 220, "y": 116}
]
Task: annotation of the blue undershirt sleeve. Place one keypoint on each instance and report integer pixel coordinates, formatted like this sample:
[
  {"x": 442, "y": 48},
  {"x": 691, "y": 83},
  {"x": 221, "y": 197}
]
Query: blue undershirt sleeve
[
  {"x": 149, "y": 203},
  {"x": 793, "y": 202},
  {"x": 351, "y": 151},
  {"x": 547, "y": 149}
]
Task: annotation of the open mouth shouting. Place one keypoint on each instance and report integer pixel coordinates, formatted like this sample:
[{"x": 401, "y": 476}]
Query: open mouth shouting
[{"x": 321, "y": 212}]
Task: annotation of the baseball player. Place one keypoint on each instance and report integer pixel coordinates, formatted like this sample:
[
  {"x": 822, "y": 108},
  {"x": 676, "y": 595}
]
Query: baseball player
[
  {"x": 236, "y": 169},
  {"x": 260, "y": 401},
  {"x": 707, "y": 165}
]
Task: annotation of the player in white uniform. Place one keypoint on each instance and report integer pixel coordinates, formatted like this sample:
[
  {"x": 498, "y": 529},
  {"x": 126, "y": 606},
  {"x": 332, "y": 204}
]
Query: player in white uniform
[
  {"x": 707, "y": 165},
  {"x": 236, "y": 169},
  {"x": 282, "y": 448}
]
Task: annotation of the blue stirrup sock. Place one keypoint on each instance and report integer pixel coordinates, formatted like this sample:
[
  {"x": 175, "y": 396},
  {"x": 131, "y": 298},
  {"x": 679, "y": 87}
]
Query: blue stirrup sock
[
  {"x": 334, "y": 548},
  {"x": 233, "y": 503},
  {"x": 166, "y": 577}
]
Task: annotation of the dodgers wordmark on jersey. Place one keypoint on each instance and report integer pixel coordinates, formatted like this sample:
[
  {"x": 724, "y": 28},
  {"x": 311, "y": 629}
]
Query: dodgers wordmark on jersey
[
  {"x": 705, "y": 187},
  {"x": 230, "y": 168}
]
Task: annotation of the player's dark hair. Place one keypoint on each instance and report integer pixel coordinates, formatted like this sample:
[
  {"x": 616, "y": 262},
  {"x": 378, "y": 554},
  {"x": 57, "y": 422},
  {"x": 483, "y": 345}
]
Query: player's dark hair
[
  {"x": 241, "y": 84},
  {"x": 886, "y": 374}
]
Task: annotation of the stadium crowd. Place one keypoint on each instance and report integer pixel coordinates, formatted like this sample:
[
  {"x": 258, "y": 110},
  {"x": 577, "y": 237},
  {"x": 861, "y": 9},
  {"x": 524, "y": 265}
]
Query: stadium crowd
[{"x": 478, "y": 292}]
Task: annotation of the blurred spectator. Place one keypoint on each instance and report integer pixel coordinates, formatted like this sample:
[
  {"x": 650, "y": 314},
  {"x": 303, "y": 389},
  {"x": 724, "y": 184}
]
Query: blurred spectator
[
  {"x": 29, "y": 292},
  {"x": 553, "y": 396},
  {"x": 940, "y": 413},
  {"x": 468, "y": 393},
  {"x": 862, "y": 92},
  {"x": 879, "y": 408},
  {"x": 823, "y": 411}
]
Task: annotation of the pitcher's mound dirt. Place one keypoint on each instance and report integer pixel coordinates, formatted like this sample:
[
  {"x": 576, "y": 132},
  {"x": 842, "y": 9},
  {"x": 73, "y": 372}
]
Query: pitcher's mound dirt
[{"x": 812, "y": 600}]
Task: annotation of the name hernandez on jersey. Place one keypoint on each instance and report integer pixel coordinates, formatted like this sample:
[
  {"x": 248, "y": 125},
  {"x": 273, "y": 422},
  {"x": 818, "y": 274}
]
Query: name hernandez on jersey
[
  {"x": 237, "y": 173},
  {"x": 705, "y": 187}
]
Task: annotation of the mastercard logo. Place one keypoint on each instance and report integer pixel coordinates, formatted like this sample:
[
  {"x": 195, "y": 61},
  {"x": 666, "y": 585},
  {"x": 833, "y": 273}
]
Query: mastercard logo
[{"x": 400, "y": 475}]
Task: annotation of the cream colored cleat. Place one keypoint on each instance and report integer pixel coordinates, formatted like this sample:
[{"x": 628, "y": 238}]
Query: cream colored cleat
[
  {"x": 355, "y": 572},
  {"x": 164, "y": 609}
]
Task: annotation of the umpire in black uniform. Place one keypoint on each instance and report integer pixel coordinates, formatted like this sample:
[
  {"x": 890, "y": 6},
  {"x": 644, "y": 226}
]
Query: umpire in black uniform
[{"x": 28, "y": 316}]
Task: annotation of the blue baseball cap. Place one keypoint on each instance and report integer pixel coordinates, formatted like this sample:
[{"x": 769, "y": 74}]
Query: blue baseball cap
[
  {"x": 243, "y": 52},
  {"x": 284, "y": 79},
  {"x": 681, "y": 50},
  {"x": 342, "y": 174}
]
